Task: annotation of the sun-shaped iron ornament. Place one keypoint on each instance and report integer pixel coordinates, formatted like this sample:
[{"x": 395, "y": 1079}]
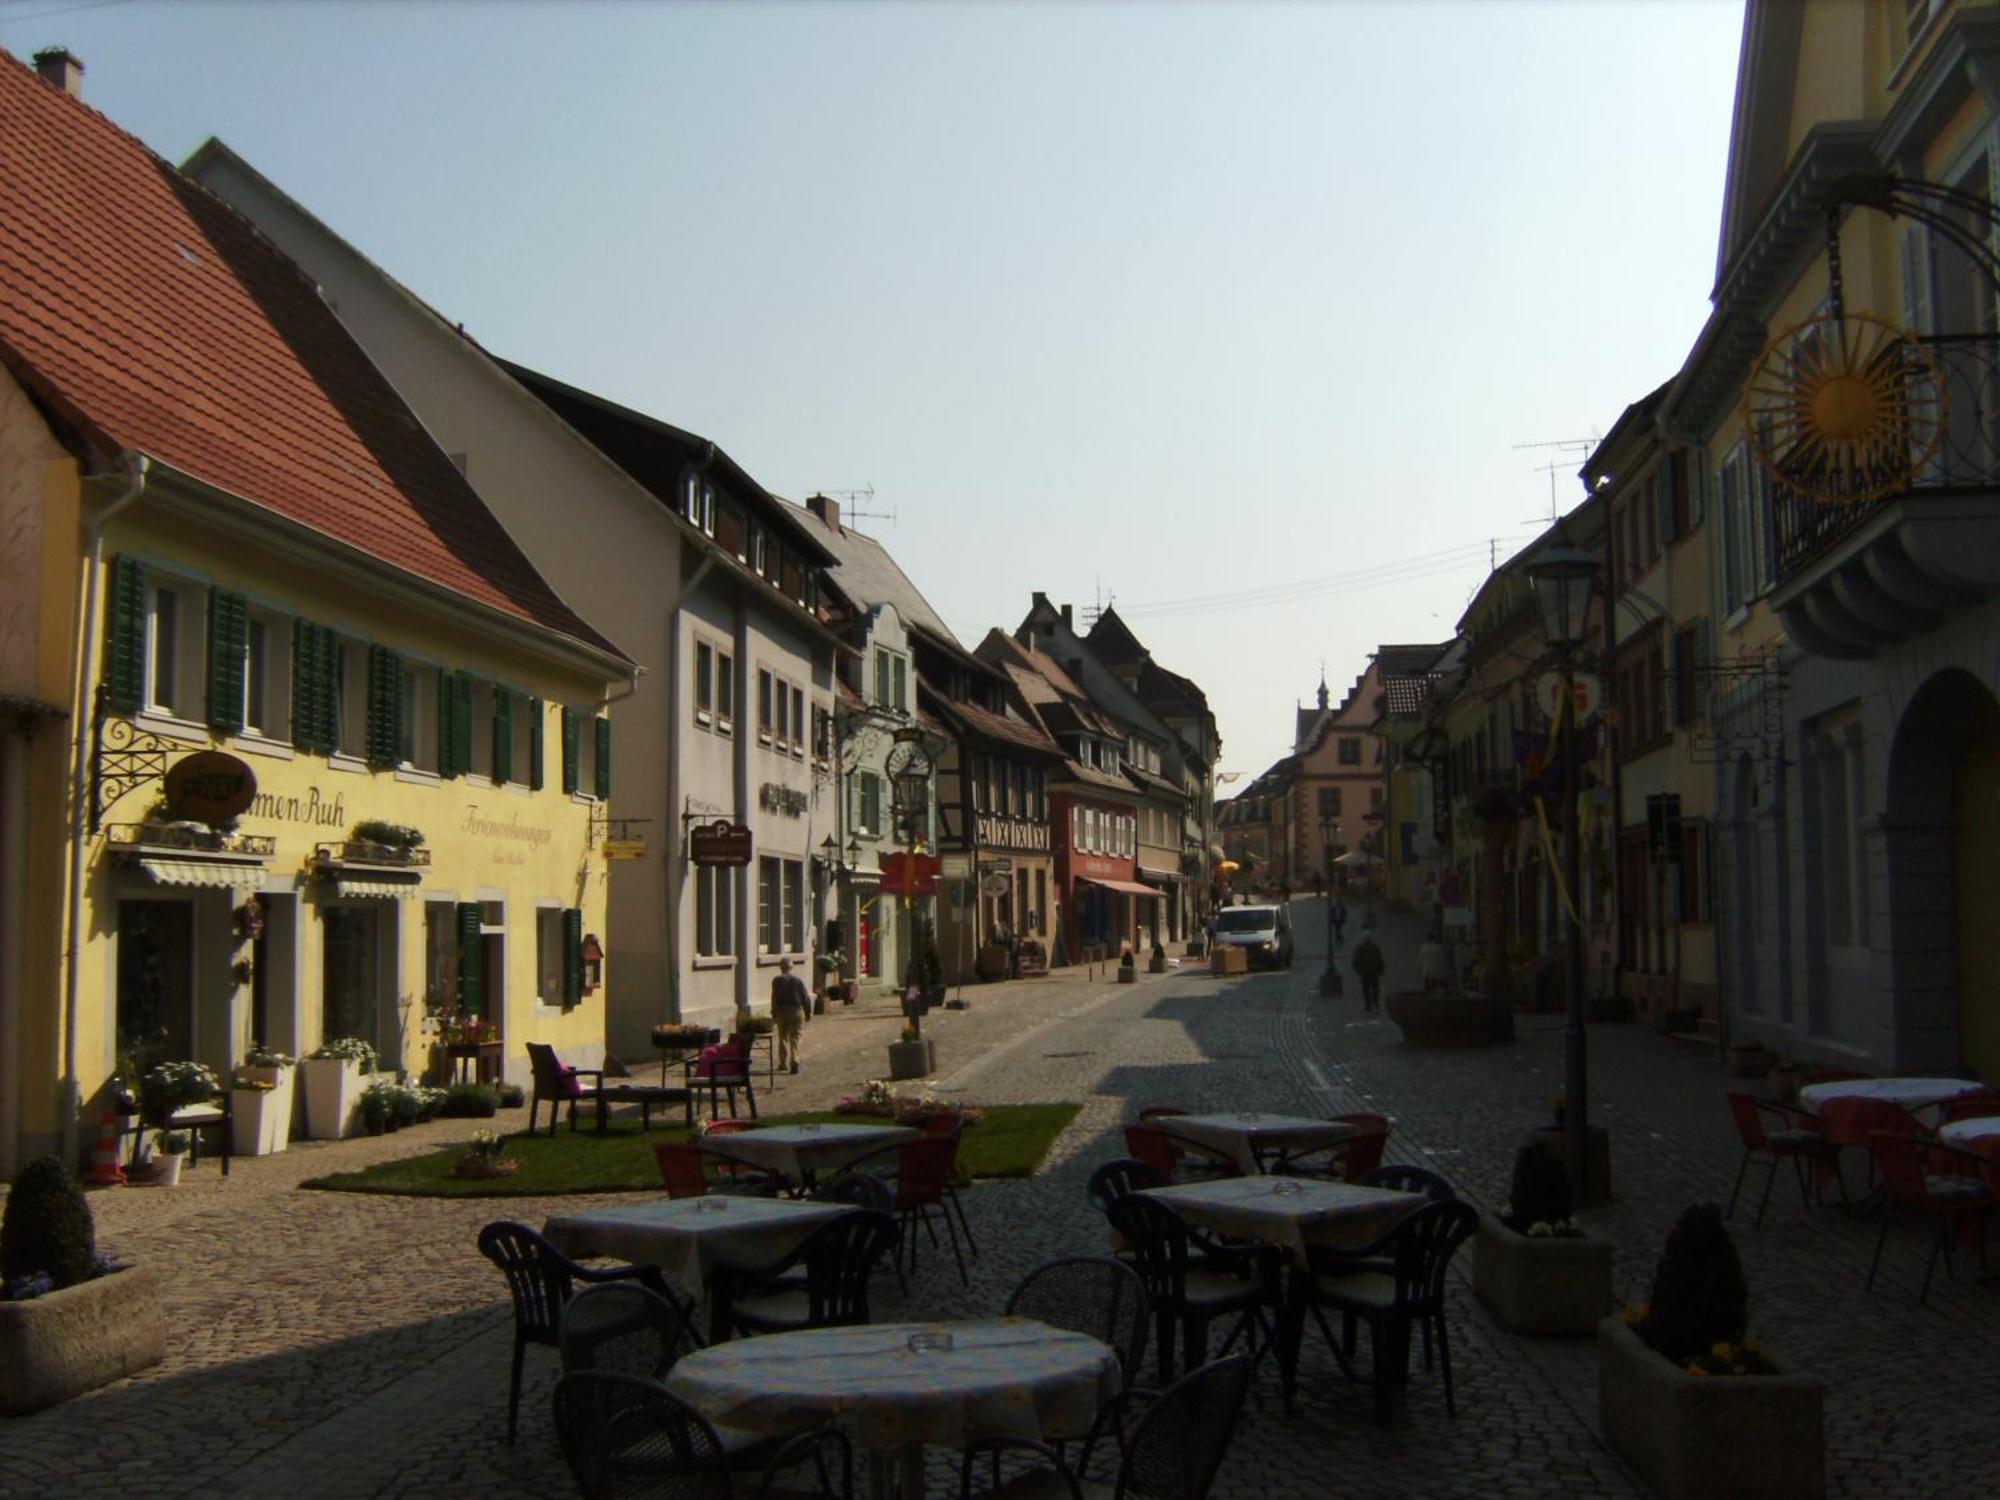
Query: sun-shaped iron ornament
[{"x": 1844, "y": 409}]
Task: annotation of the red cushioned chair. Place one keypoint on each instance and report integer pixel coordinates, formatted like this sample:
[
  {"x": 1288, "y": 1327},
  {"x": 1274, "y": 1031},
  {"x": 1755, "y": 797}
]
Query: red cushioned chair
[
  {"x": 1851, "y": 1122},
  {"x": 1772, "y": 1133},
  {"x": 1924, "y": 1179}
]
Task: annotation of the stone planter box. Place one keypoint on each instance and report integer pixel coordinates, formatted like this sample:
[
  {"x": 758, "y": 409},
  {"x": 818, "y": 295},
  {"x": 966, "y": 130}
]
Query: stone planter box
[
  {"x": 333, "y": 1097},
  {"x": 916, "y": 1059},
  {"x": 1443, "y": 1020},
  {"x": 77, "y": 1339},
  {"x": 1157, "y": 964},
  {"x": 1709, "y": 1435},
  {"x": 1542, "y": 1286},
  {"x": 260, "y": 1120},
  {"x": 1128, "y": 974},
  {"x": 1597, "y": 1141}
]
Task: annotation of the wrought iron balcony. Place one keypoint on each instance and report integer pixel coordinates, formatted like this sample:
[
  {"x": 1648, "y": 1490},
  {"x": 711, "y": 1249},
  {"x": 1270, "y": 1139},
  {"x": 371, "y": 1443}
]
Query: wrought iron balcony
[
  {"x": 198, "y": 837},
  {"x": 367, "y": 852},
  {"x": 1856, "y": 578}
]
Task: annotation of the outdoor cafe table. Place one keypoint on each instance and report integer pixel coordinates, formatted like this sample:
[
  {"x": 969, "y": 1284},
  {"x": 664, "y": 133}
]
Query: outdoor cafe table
[
  {"x": 1242, "y": 1136},
  {"x": 1001, "y": 1377},
  {"x": 798, "y": 1152},
  {"x": 691, "y": 1238},
  {"x": 1291, "y": 1213},
  {"x": 1910, "y": 1093},
  {"x": 1980, "y": 1133}
]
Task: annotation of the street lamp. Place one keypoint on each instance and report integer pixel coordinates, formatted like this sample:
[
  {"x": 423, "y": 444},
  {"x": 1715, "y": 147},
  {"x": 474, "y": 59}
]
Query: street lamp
[{"x": 1562, "y": 577}]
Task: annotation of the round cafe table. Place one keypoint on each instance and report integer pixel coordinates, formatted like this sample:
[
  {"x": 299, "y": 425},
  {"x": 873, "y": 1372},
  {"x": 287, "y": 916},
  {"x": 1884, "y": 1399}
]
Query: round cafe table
[
  {"x": 1001, "y": 1377},
  {"x": 1980, "y": 1133},
  {"x": 1911, "y": 1093}
]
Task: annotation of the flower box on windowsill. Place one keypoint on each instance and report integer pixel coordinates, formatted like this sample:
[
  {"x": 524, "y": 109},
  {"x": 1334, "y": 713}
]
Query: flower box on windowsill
[{"x": 363, "y": 852}]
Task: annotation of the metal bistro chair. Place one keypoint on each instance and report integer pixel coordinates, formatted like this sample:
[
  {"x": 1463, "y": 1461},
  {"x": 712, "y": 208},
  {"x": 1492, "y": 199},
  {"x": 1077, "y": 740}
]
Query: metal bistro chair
[
  {"x": 540, "y": 1278},
  {"x": 628, "y": 1438},
  {"x": 1342, "y": 1161},
  {"x": 1170, "y": 1443},
  {"x": 1403, "y": 1178},
  {"x": 1924, "y": 1179},
  {"x": 1798, "y": 1139},
  {"x": 839, "y": 1257},
  {"x": 1092, "y": 1294},
  {"x": 624, "y": 1327}
]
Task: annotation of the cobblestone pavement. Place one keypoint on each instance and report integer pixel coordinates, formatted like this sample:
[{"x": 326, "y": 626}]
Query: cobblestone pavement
[{"x": 335, "y": 1345}]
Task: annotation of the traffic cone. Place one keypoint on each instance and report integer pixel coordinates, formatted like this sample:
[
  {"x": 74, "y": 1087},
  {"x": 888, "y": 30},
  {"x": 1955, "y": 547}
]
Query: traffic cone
[{"x": 104, "y": 1169}]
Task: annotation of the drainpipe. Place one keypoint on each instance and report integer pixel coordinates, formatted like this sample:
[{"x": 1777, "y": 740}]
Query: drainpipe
[
  {"x": 136, "y": 467},
  {"x": 676, "y": 851}
]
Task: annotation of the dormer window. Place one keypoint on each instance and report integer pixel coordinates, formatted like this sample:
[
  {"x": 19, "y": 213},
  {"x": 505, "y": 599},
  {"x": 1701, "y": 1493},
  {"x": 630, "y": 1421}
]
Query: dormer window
[{"x": 698, "y": 503}]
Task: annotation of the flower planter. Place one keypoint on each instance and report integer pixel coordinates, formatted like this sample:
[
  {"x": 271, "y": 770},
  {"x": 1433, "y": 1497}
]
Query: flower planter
[
  {"x": 1157, "y": 964},
  {"x": 164, "y": 1170},
  {"x": 60, "y": 1345},
  {"x": 260, "y": 1120},
  {"x": 334, "y": 1086},
  {"x": 1128, "y": 974},
  {"x": 486, "y": 1168},
  {"x": 1708, "y": 1435},
  {"x": 1444, "y": 1020},
  {"x": 1542, "y": 1285},
  {"x": 916, "y": 1059}
]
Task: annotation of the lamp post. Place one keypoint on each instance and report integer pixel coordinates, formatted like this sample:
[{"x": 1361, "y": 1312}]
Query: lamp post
[{"x": 1562, "y": 577}]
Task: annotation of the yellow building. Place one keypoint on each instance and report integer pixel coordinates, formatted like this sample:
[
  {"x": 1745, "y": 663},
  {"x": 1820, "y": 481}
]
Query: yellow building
[{"x": 246, "y": 563}]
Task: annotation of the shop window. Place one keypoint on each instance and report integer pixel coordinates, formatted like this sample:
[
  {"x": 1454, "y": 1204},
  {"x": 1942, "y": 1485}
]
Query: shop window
[{"x": 714, "y": 911}]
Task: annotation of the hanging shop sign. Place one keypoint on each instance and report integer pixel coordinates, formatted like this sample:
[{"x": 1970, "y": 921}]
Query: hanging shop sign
[
  {"x": 719, "y": 843},
  {"x": 210, "y": 786},
  {"x": 1549, "y": 694},
  {"x": 905, "y": 874},
  {"x": 625, "y": 849},
  {"x": 996, "y": 885}
]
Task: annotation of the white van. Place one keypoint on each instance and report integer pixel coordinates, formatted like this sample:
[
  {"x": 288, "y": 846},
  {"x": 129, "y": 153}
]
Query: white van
[{"x": 1265, "y": 932}]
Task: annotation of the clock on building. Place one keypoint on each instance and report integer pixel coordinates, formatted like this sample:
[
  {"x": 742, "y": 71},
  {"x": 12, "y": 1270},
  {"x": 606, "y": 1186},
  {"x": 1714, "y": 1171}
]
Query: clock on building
[{"x": 907, "y": 760}]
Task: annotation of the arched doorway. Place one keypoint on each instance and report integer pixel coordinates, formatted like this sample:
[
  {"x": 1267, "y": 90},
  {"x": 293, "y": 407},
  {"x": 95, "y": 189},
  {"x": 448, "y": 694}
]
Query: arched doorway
[{"x": 1944, "y": 875}]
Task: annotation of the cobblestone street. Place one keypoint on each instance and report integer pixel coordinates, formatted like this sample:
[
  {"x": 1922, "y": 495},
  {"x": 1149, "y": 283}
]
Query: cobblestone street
[{"x": 338, "y": 1345}]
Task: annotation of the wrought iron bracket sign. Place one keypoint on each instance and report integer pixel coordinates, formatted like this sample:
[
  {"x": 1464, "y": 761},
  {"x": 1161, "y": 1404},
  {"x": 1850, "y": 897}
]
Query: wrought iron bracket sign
[
  {"x": 720, "y": 843},
  {"x": 122, "y": 758}
]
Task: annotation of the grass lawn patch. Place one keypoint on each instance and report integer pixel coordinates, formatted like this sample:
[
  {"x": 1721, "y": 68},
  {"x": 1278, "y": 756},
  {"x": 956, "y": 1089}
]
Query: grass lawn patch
[{"x": 1010, "y": 1142}]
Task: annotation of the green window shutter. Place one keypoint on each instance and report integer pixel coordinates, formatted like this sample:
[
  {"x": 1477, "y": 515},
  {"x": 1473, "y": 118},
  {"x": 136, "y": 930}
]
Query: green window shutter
[
  {"x": 572, "y": 746},
  {"x": 604, "y": 757},
  {"x": 313, "y": 694},
  {"x": 385, "y": 706},
  {"x": 447, "y": 721},
  {"x": 471, "y": 982},
  {"x": 228, "y": 622},
  {"x": 461, "y": 721},
  {"x": 536, "y": 773},
  {"x": 125, "y": 637},
  {"x": 503, "y": 734},
  {"x": 572, "y": 923}
]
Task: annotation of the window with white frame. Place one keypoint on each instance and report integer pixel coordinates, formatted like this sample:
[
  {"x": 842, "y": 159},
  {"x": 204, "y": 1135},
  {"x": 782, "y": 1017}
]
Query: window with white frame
[
  {"x": 420, "y": 708},
  {"x": 780, "y": 905},
  {"x": 441, "y": 954},
  {"x": 799, "y": 722},
  {"x": 174, "y": 644},
  {"x": 549, "y": 987},
  {"x": 725, "y": 692},
  {"x": 867, "y": 802},
  {"x": 764, "y": 712},
  {"x": 714, "y": 911},
  {"x": 350, "y": 666},
  {"x": 698, "y": 503},
  {"x": 781, "y": 728},
  {"x": 704, "y": 683},
  {"x": 794, "y": 926},
  {"x": 267, "y": 675}
]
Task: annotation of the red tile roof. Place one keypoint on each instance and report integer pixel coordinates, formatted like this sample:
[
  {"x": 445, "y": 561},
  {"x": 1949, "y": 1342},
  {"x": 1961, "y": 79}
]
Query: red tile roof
[{"x": 149, "y": 315}]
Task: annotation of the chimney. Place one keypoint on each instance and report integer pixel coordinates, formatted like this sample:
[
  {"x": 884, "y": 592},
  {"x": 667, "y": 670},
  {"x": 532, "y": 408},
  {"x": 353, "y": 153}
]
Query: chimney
[
  {"x": 826, "y": 508},
  {"x": 1069, "y": 623},
  {"x": 61, "y": 67}
]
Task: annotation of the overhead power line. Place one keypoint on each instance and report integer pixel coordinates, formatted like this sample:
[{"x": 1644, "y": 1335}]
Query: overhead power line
[{"x": 1405, "y": 570}]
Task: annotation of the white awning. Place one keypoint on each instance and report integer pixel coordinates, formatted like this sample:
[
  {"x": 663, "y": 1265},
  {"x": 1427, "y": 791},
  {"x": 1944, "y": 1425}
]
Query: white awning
[
  {"x": 382, "y": 887},
  {"x": 229, "y": 875}
]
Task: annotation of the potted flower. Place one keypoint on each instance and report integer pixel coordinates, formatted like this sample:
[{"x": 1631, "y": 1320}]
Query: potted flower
[
  {"x": 70, "y": 1321},
  {"x": 1688, "y": 1400},
  {"x": 385, "y": 842},
  {"x": 260, "y": 1102},
  {"x": 485, "y": 1158},
  {"x": 170, "y": 1152},
  {"x": 1536, "y": 1269},
  {"x": 336, "y": 1074}
]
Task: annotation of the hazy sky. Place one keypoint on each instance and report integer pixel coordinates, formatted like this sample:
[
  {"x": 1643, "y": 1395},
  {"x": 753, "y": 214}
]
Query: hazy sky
[{"x": 1237, "y": 313}]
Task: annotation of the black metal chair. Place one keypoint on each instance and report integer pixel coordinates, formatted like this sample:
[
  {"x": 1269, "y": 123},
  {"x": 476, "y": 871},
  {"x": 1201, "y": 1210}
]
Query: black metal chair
[
  {"x": 625, "y": 1328},
  {"x": 540, "y": 1277},
  {"x": 1409, "y": 1295},
  {"x": 1192, "y": 1281},
  {"x": 1120, "y": 1179},
  {"x": 627, "y": 1438},
  {"x": 839, "y": 1257},
  {"x": 1170, "y": 1443},
  {"x": 1401, "y": 1178},
  {"x": 862, "y": 1189},
  {"x": 1093, "y": 1294}
]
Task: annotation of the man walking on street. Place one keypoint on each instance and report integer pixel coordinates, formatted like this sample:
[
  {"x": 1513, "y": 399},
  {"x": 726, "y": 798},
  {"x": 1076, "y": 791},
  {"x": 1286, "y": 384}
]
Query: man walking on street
[
  {"x": 1337, "y": 913},
  {"x": 1368, "y": 968},
  {"x": 790, "y": 1005}
]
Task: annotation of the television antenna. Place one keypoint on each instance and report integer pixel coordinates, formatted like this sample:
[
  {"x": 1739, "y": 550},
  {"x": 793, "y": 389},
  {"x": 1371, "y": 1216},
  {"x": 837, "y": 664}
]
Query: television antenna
[
  {"x": 854, "y": 504},
  {"x": 1566, "y": 447}
]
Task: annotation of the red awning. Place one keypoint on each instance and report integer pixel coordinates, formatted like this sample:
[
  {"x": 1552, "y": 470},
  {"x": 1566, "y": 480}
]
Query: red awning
[{"x": 1123, "y": 887}]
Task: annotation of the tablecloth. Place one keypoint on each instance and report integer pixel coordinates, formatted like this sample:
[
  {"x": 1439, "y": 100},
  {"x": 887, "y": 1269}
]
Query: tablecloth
[
  {"x": 797, "y": 1152},
  {"x": 687, "y": 1239},
  {"x": 1982, "y": 1132},
  {"x": 1267, "y": 1210},
  {"x": 1239, "y": 1136},
  {"x": 1002, "y": 1377},
  {"x": 1911, "y": 1093}
]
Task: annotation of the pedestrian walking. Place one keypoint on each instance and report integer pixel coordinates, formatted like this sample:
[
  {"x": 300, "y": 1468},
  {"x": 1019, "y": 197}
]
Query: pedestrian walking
[
  {"x": 791, "y": 1003},
  {"x": 1339, "y": 918},
  {"x": 1368, "y": 968}
]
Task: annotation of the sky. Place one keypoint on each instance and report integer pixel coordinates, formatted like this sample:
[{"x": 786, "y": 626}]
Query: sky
[{"x": 1264, "y": 321}]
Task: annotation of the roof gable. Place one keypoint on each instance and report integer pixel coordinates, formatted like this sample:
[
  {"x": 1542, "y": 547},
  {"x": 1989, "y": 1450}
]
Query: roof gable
[{"x": 150, "y": 316}]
